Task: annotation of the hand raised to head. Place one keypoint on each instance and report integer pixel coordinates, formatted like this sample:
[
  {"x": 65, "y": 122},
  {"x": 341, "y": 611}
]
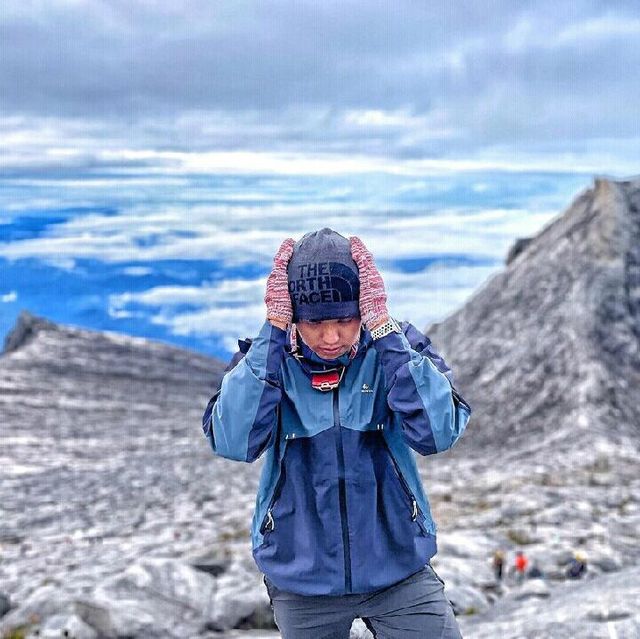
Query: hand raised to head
[
  {"x": 373, "y": 297},
  {"x": 277, "y": 291}
]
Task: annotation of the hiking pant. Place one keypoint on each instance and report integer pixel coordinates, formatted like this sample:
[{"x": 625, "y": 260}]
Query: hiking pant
[{"x": 410, "y": 609}]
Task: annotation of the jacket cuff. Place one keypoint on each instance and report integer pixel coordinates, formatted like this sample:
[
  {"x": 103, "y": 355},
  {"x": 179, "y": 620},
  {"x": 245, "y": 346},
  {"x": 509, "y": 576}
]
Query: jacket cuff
[
  {"x": 267, "y": 352},
  {"x": 395, "y": 351}
]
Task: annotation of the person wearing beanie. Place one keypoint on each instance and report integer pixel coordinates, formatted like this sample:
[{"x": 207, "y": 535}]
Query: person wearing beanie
[{"x": 339, "y": 397}]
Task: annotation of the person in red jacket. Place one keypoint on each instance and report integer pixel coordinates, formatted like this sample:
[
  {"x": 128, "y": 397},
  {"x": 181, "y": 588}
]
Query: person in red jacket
[{"x": 520, "y": 565}]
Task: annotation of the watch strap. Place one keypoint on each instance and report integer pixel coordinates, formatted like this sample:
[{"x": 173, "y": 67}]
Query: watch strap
[{"x": 390, "y": 326}]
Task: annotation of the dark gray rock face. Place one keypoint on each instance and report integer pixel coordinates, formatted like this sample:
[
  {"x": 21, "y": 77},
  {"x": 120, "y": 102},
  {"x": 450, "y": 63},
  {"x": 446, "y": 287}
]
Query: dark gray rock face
[
  {"x": 518, "y": 246},
  {"x": 25, "y": 329},
  {"x": 5, "y": 604}
]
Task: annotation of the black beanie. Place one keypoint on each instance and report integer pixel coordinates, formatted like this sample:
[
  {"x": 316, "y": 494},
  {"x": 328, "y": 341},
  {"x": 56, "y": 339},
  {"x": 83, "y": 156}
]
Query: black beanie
[{"x": 323, "y": 278}]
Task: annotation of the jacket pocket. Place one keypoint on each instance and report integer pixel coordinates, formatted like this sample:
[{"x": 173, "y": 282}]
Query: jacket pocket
[{"x": 415, "y": 511}]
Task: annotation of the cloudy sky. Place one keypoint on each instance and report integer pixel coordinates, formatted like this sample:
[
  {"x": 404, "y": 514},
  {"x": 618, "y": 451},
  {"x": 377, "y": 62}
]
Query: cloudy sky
[
  {"x": 339, "y": 85},
  {"x": 139, "y": 129}
]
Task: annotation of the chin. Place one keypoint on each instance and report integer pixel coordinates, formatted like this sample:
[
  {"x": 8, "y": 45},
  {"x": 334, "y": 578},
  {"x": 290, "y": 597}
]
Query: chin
[{"x": 335, "y": 355}]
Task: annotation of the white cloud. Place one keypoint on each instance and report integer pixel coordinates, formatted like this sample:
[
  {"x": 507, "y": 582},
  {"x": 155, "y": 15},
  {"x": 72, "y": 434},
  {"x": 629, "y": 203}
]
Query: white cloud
[
  {"x": 431, "y": 295},
  {"x": 256, "y": 232},
  {"x": 12, "y": 296},
  {"x": 377, "y": 117},
  {"x": 221, "y": 293},
  {"x": 602, "y": 27},
  {"x": 226, "y": 310},
  {"x": 381, "y": 119},
  {"x": 145, "y": 166},
  {"x": 230, "y": 323},
  {"x": 137, "y": 271},
  {"x": 117, "y": 313}
]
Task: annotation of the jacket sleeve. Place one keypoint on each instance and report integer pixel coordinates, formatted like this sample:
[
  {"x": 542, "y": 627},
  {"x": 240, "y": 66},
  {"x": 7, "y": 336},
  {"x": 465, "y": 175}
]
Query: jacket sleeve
[
  {"x": 420, "y": 392},
  {"x": 241, "y": 418}
]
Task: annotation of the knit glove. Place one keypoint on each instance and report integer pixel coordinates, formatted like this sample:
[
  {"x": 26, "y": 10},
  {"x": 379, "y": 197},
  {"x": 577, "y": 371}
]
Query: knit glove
[
  {"x": 277, "y": 295},
  {"x": 373, "y": 298}
]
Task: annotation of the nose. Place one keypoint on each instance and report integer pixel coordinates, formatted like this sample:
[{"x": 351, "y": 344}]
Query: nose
[{"x": 330, "y": 336}]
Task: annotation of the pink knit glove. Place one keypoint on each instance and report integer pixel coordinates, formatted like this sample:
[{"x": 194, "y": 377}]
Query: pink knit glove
[
  {"x": 277, "y": 296},
  {"x": 373, "y": 299}
]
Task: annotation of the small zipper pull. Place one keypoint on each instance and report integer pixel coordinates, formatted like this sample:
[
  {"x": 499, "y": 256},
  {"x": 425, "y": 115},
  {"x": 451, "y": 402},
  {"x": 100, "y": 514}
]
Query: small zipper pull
[
  {"x": 414, "y": 514},
  {"x": 271, "y": 524}
]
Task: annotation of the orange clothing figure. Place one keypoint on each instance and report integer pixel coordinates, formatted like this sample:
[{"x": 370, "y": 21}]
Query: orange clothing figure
[{"x": 521, "y": 564}]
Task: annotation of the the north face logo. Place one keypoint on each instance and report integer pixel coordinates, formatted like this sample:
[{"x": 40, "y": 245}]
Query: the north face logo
[{"x": 324, "y": 282}]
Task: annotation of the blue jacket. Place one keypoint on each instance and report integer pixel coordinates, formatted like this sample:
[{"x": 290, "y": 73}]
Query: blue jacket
[{"x": 340, "y": 507}]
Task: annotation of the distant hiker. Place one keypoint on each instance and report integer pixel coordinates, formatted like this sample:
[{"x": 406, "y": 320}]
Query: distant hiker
[
  {"x": 577, "y": 566},
  {"x": 337, "y": 394},
  {"x": 520, "y": 565},
  {"x": 535, "y": 572},
  {"x": 498, "y": 564}
]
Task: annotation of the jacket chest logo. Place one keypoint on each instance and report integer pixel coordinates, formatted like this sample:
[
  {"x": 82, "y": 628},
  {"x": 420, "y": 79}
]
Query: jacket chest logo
[{"x": 366, "y": 389}]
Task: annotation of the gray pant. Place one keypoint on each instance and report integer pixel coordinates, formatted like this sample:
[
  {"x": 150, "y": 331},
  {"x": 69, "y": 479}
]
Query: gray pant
[{"x": 412, "y": 608}]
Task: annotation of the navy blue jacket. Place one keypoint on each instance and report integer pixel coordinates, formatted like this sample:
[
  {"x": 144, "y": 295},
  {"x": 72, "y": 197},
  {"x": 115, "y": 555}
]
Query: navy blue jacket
[{"x": 340, "y": 507}]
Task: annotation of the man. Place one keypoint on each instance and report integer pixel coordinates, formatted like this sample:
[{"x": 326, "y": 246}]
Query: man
[
  {"x": 521, "y": 563},
  {"x": 498, "y": 564},
  {"x": 336, "y": 394},
  {"x": 577, "y": 566}
]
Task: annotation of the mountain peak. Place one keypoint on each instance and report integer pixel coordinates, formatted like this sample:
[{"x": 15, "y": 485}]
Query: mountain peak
[
  {"x": 549, "y": 346},
  {"x": 25, "y": 328}
]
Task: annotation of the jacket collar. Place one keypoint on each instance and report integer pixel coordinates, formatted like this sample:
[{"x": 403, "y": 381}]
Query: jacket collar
[{"x": 305, "y": 353}]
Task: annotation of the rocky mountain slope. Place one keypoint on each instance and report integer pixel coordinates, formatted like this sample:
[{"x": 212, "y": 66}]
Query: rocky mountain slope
[
  {"x": 551, "y": 344},
  {"x": 102, "y": 462},
  {"x": 117, "y": 521}
]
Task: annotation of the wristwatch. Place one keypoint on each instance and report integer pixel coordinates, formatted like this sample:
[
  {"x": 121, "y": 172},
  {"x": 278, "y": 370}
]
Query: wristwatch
[{"x": 390, "y": 326}]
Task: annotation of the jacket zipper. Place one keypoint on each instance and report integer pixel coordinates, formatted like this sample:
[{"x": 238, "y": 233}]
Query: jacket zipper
[
  {"x": 268, "y": 522},
  {"x": 416, "y": 513},
  {"x": 342, "y": 490}
]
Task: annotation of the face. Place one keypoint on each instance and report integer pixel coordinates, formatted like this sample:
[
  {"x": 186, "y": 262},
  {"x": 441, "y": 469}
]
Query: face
[{"x": 329, "y": 338}]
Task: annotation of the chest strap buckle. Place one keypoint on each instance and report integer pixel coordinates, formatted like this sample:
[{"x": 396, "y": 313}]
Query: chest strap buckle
[{"x": 326, "y": 380}]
